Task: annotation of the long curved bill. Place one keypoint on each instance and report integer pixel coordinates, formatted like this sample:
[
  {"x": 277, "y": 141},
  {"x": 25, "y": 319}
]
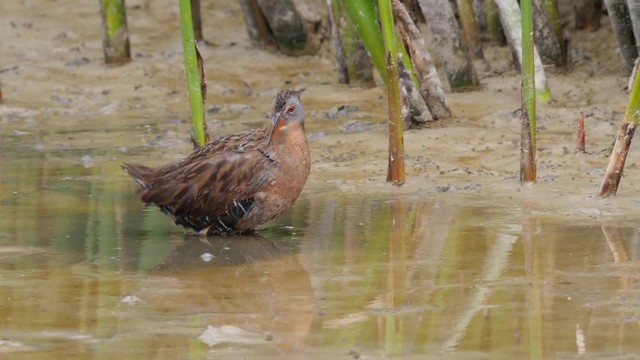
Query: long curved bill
[{"x": 278, "y": 123}]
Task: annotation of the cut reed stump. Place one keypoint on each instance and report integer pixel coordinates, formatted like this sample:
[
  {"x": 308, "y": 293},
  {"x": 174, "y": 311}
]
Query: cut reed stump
[
  {"x": 581, "y": 134},
  {"x": 611, "y": 180},
  {"x": 115, "y": 34},
  {"x": 621, "y": 24},
  {"x": 449, "y": 44},
  {"x": 430, "y": 86},
  {"x": 612, "y": 176}
]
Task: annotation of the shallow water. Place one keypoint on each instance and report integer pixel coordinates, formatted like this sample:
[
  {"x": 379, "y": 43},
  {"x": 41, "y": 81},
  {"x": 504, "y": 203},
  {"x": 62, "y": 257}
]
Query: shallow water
[
  {"x": 461, "y": 262},
  {"x": 87, "y": 272}
]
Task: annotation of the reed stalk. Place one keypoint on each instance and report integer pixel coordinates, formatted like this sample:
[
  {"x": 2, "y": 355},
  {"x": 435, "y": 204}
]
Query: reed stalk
[
  {"x": 338, "y": 50},
  {"x": 362, "y": 14},
  {"x": 547, "y": 41},
  {"x": 634, "y": 14},
  {"x": 194, "y": 74},
  {"x": 430, "y": 86},
  {"x": 115, "y": 34},
  {"x": 551, "y": 9},
  {"x": 480, "y": 15},
  {"x": 449, "y": 44},
  {"x": 621, "y": 24},
  {"x": 470, "y": 28},
  {"x": 611, "y": 180},
  {"x": 395, "y": 171},
  {"x": 257, "y": 25},
  {"x": 494, "y": 28},
  {"x": 528, "y": 150},
  {"x": 511, "y": 20},
  {"x": 359, "y": 64},
  {"x": 0, "y": 92}
]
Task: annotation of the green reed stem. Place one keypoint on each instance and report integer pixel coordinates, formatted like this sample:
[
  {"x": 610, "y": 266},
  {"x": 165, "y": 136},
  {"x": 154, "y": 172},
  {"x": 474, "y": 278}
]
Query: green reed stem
[
  {"x": 193, "y": 75},
  {"x": 115, "y": 35},
  {"x": 363, "y": 15},
  {"x": 632, "y": 114},
  {"x": 528, "y": 67}
]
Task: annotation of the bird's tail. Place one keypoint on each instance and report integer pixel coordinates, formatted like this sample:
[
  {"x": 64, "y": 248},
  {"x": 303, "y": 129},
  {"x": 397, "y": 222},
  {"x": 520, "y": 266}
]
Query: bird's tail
[{"x": 140, "y": 173}]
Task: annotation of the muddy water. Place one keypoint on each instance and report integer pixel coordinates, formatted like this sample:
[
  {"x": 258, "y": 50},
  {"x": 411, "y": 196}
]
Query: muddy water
[
  {"x": 87, "y": 272},
  {"x": 461, "y": 262}
]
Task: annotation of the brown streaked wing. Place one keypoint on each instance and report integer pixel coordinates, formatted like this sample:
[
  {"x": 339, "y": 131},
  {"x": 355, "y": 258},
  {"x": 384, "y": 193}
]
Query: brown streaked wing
[
  {"x": 198, "y": 193},
  {"x": 237, "y": 142}
]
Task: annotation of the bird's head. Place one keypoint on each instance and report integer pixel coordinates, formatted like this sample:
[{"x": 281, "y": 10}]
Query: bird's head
[{"x": 287, "y": 111}]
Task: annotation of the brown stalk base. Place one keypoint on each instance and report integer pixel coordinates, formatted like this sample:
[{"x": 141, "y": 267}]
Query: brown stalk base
[
  {"x": 528, "y": 168},
  {"x": 395, "y": 170},
  {"x": 618, "y": 156}
]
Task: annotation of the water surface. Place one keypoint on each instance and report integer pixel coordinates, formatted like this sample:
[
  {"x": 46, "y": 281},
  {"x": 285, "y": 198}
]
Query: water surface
[{"x": 88, "y": 272}]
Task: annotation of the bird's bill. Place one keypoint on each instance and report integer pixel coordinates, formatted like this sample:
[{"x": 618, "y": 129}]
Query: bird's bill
[{"x": 278, "y": 123}]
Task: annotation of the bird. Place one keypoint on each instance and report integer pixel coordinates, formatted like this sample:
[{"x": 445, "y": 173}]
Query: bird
[{"x": 237, "y": 181}]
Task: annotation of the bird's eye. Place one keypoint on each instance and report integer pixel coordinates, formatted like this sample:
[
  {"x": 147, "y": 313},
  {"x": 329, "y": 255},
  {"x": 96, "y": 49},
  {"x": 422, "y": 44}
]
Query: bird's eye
[{"x": 291, "y": 109}]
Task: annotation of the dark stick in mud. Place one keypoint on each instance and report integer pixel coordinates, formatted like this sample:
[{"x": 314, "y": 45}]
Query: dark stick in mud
[
  {"x": 611, "y": 180},
  {"x": 430, "y": 86},
  {"x": 115, "y": 34},
  {"x": 395, "y": 171},
  {"x": 338, "y": 49},
  {"x": 195, "y": 75}
]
